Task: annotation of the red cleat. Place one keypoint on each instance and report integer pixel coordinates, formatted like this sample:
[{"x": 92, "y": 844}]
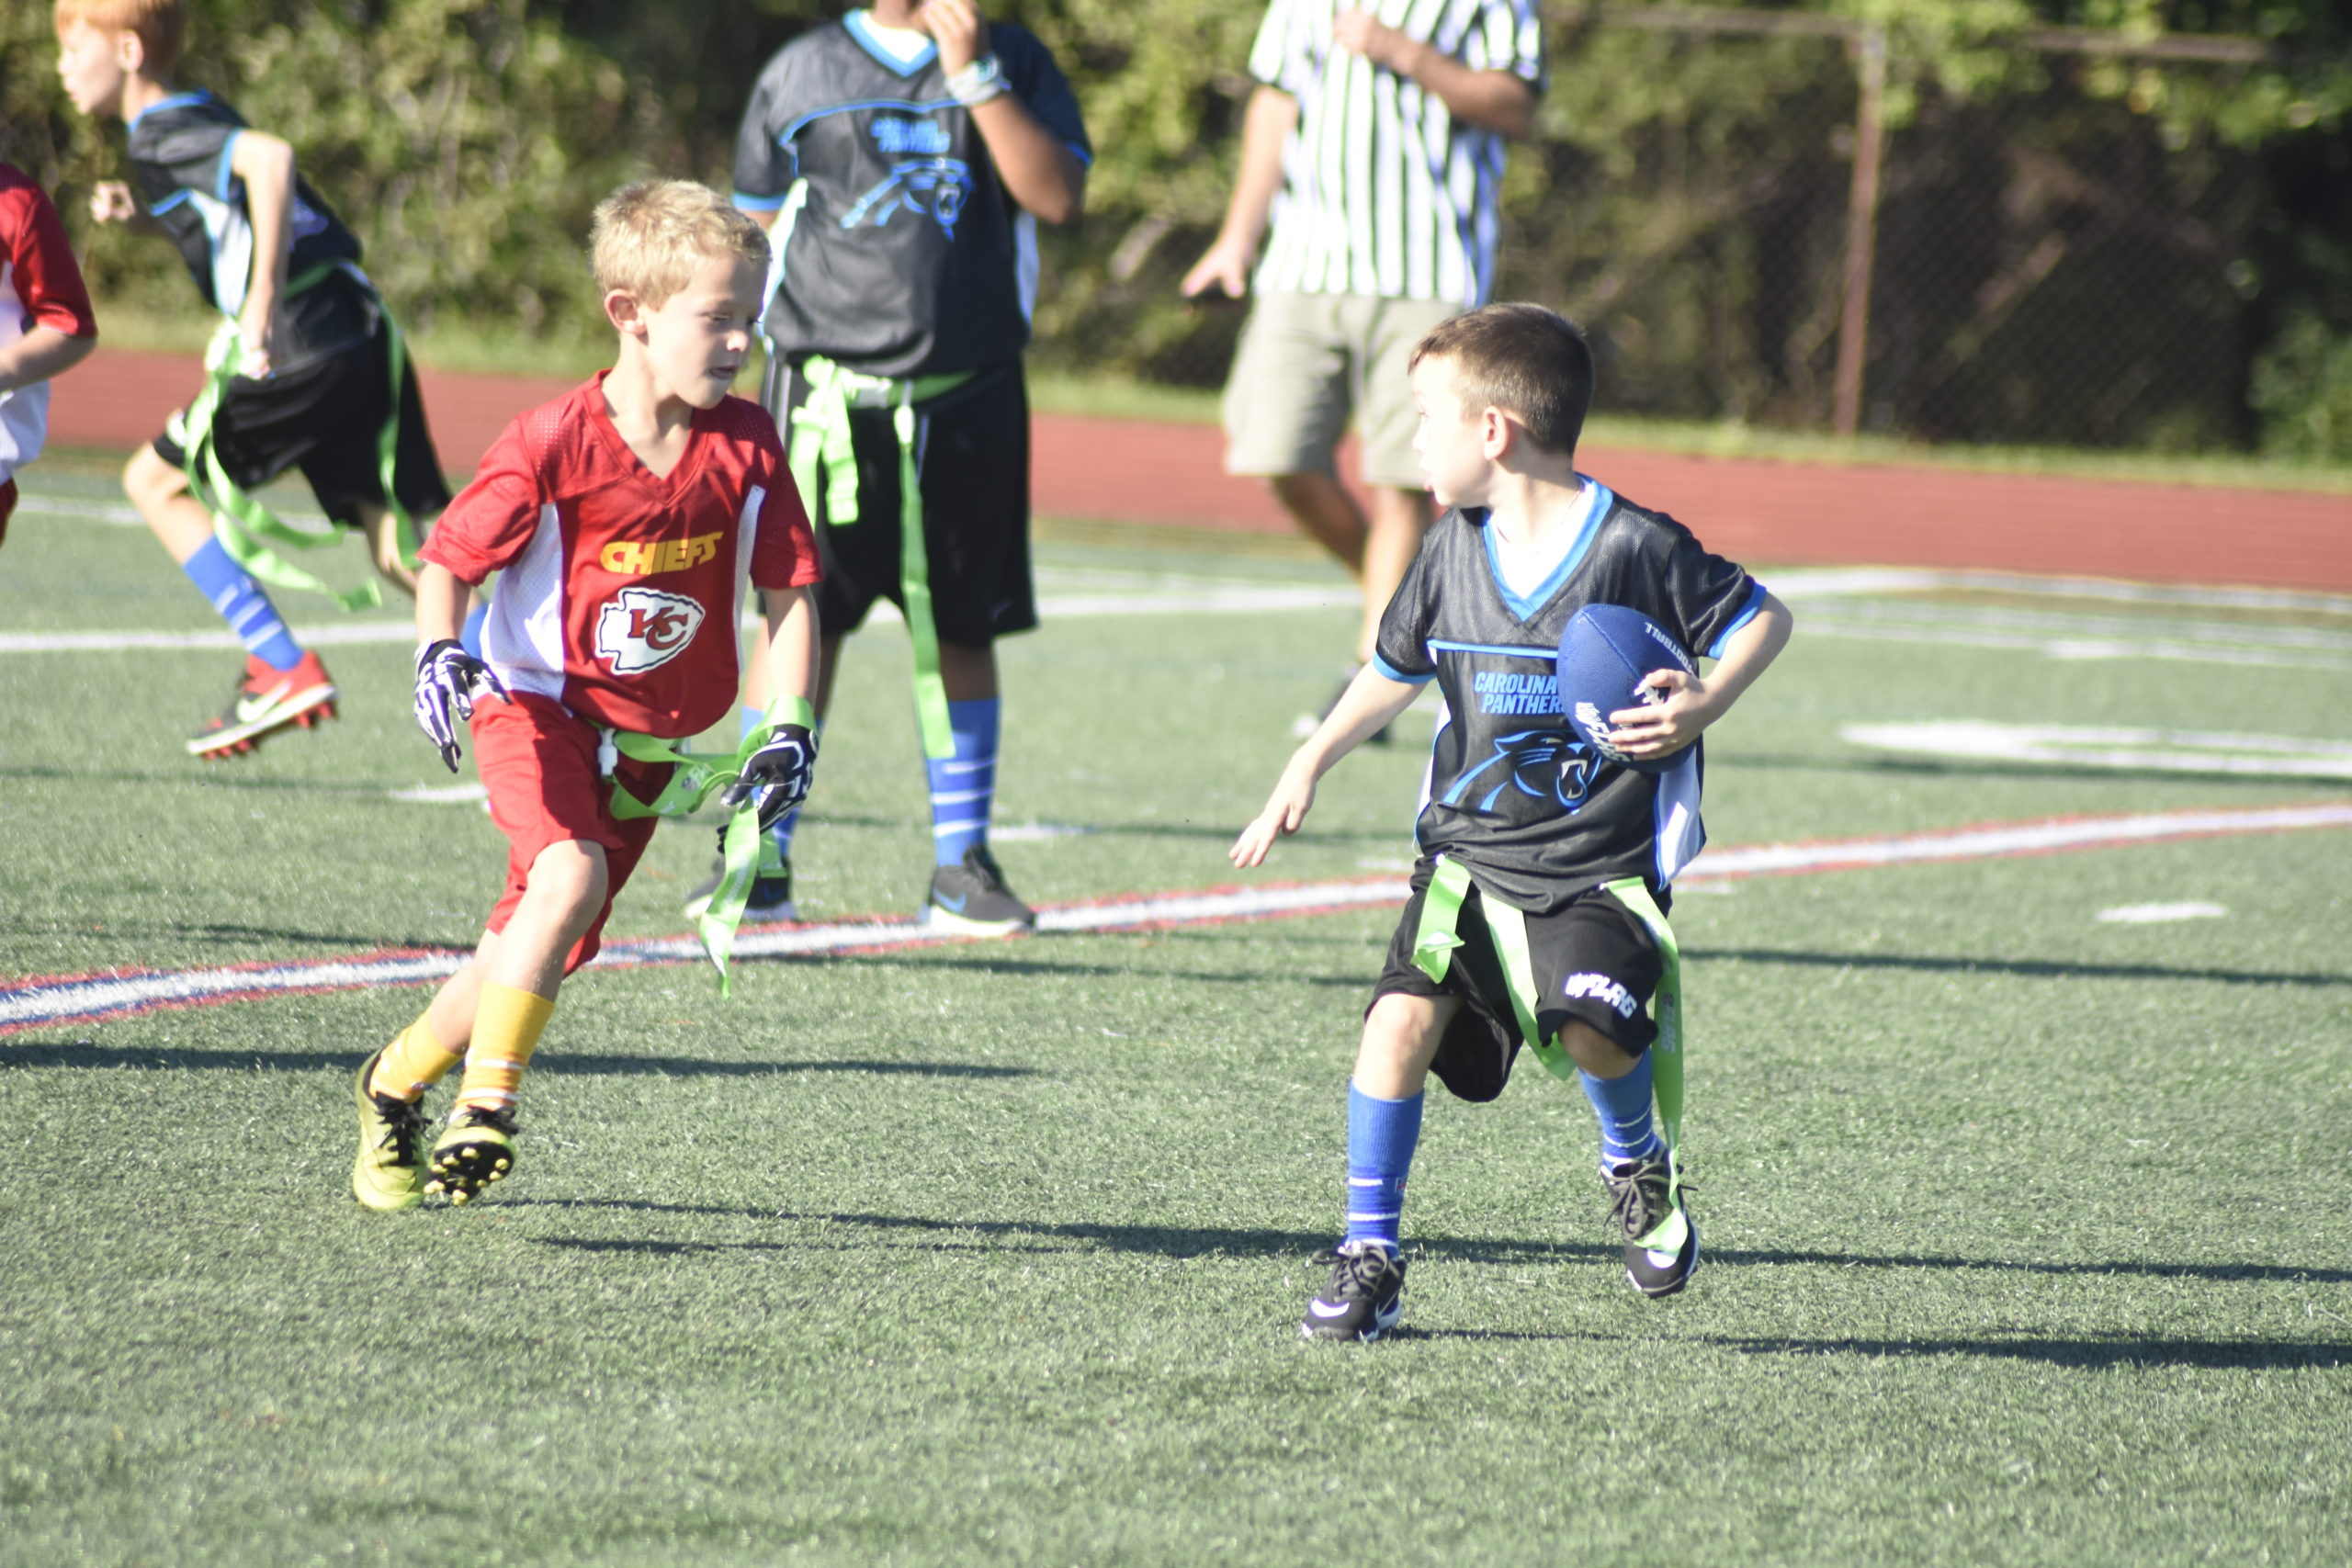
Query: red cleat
[{"x": 265, "y": 701}]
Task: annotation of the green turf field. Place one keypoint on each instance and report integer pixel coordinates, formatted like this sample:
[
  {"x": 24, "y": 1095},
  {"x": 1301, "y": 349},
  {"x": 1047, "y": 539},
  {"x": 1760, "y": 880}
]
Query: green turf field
[{"x": 2026, "y": 1232}]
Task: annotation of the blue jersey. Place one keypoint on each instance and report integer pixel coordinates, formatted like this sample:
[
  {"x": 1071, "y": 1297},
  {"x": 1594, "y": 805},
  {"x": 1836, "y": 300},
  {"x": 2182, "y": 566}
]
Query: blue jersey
[
  {"x": 1536, "y": 816},
  {"x": 897, "y": 251}
]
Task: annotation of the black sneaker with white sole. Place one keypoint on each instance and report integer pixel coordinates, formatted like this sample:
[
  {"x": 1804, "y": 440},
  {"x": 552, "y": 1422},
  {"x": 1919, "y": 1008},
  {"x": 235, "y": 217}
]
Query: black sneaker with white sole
[
  {"x": 971, "y": 899},
  {"x": 1661, "y": 1239},
  {"x": 771, "y": 897},
  {"x": 1364, "y": 1297}
]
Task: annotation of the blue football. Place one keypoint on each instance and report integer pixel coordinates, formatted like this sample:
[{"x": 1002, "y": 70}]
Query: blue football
[{"x": 1606, "y": 653}]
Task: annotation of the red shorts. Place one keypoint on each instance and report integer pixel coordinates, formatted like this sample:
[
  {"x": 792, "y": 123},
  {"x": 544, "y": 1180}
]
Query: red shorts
[
  {"x": 537, "y": 760},
  {"x": 7, "y": 507}
]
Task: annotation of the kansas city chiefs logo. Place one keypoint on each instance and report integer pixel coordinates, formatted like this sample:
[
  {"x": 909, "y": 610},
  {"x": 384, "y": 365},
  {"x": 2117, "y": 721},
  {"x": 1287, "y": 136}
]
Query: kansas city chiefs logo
[{"x": 643, "y": 628}]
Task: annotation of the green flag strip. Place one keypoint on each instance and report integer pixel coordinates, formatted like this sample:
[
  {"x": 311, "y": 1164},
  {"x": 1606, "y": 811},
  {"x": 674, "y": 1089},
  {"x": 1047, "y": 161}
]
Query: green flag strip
[
  {"x": 251, "y": 533},
  {"x": 820, "y": 439},
  {"x": 697, "y": 777}
]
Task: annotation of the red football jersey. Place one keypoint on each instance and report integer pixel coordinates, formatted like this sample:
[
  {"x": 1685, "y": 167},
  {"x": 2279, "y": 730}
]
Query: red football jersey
[
  {"x": 40, "y": 285},
  {"x": 622, "y": 592}
]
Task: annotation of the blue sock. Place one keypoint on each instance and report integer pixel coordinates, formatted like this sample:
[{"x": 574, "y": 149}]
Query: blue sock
[
  {"x": 469, "y": 635},
  {"x": 963, "y": 787},
  {"x": 1627, "y": 1131},
  {"x": 780, "y": 832},
  {"x": 244, "y": 605},
  {"x": 1381, "y": 1138}
]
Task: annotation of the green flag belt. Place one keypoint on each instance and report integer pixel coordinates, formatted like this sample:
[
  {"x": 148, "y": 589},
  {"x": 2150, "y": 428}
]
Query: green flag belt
[
  {"x": 248, "y": 530},
  {"x": 1435, "y": 940},
  {"x": 694, "y": 778},
  {"x": 820, "y": 439}
]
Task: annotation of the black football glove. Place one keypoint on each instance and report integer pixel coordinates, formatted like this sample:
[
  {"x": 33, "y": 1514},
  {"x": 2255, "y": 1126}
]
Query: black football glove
[
  {"x": 776, "y": 778},
  {"x": 448, "y": 679}
]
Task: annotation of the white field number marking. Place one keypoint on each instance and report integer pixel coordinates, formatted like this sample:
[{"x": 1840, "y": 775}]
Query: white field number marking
[
  {"x": 2159, "y": 914},
  {"x": 2161, "y": 751}
]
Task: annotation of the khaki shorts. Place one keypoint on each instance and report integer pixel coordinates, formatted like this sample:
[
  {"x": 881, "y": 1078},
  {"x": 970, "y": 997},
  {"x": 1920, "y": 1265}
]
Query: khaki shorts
[{"x": 1306, "y": 362}]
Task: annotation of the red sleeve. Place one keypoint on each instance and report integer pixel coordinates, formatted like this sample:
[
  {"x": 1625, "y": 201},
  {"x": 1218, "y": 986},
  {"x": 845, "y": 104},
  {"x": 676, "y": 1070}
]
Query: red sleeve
[
  {"x": 45, "y": 277},
  {"x": 493, "y": 518},
  {"x": 785, "y": 553}
]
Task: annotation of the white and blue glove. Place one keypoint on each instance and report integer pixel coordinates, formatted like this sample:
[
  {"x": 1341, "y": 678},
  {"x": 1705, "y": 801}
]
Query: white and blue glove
[
  {"x": 778, "y": 776},
  {"x": 448, "y": 679}
]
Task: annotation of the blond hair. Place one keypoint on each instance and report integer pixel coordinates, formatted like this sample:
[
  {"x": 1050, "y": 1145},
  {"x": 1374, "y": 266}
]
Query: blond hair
[
  {"x": 160, "y": 24},
  {"x": 651, "y": 238}
]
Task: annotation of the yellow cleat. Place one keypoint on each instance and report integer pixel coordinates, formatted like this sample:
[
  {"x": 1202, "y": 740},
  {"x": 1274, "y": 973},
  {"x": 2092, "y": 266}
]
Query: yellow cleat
[
  {"x": 388, "y": 1174},
  {"x": 475, "y": 1149}
]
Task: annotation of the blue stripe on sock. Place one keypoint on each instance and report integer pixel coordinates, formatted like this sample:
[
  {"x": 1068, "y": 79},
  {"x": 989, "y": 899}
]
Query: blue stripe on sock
[
  {"x": 963, "y": 786},
  {"x": 1382, "y": 1135},
  {"x": 1623, "y": 1107},
  {"x": 244, "y": 605}
]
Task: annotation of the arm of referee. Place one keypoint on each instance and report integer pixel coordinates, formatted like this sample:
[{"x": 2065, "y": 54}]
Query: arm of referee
[{"x": 1496, "y": 100}]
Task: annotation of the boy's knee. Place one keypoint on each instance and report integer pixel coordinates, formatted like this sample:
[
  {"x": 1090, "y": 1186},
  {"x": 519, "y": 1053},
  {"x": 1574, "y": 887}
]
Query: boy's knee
[
  {"x": 1595, "y": 1052},
  {"x": 1401, "y": 1032},
  {"x": 149, "y": 481},
  {"x": 571, "y": 876}
]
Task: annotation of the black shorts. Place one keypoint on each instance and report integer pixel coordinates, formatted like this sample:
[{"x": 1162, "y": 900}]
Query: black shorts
[
  {"x": 972, "y": 451},
  {"x": 325, "y": 418},
  {"x": 1594, "y": 962}
]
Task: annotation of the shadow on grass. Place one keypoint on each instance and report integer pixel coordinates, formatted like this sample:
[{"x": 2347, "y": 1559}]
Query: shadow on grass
[
  {"x": 1195, "y": 1241},
  {"x": 79, "y": 1054},
  {"x": 2029, "y": 968},
  {"x": 2099, "y": 1352}
]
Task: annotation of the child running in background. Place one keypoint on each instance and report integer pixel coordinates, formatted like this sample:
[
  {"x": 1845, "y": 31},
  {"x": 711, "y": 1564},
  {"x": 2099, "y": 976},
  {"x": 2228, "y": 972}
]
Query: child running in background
[
  {"x": 46, "y": 327},
  {"x": 1537, "y": 914},
  {"x": 626, "y": 517},
  {"x": 308, "y": 370}
]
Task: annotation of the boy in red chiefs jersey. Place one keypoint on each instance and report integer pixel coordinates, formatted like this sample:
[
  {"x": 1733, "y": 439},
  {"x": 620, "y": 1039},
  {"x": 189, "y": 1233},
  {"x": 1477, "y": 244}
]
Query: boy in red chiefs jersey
[
  {"x": 45, "y": 322},
  {"x": 626, "y": 518}
]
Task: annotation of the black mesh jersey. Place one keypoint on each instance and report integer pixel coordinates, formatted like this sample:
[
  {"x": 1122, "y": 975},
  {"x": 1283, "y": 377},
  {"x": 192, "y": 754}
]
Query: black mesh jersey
[
  {"x": 179, "y": 160},
  {"x": 897, "y": 251},
  {"x": 1534, "y": 813}
]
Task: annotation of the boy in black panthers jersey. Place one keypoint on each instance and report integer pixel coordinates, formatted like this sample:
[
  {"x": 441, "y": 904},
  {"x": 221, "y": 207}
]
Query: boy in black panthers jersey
[
  {"x": 1537, "y": 909},
  {"x": 306, "y": 369},
  {"x": 903, "y": 158}
]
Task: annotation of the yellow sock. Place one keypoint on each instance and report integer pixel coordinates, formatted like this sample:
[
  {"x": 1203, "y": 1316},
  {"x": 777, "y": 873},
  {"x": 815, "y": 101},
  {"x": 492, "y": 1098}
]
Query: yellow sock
[
  {"x": 506, "y": 1027},
  {"x": 412, "y": 1062}
]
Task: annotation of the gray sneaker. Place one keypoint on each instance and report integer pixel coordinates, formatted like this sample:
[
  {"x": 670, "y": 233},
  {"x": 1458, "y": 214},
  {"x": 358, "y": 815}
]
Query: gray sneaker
[{"x": 971, "y": 899}]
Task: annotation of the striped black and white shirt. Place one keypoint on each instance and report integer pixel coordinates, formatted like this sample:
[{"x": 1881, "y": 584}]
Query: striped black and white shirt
[{"x": 1383, "y": 193}]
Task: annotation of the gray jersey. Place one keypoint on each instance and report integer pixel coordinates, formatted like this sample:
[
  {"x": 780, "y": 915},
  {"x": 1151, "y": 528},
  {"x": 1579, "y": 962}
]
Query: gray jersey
[{"x": 1536, "y": 815}]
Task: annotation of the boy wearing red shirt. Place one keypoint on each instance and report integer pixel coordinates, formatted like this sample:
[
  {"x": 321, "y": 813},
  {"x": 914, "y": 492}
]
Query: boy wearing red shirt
[
  {"x": 626, "y": 518},
  {"x": 46, "y": 327}
]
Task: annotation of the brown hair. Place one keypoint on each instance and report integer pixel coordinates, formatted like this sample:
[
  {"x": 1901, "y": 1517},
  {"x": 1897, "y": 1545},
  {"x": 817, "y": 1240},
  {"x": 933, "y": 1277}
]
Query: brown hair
[
  {"x": 1531, "y": 362},
  {"x": 651, "y": 237},
  {"x": 160, "y": 24}
]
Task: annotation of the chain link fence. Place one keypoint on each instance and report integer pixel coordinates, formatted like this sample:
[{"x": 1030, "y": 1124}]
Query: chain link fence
[{"x": 2049, "y": 265}]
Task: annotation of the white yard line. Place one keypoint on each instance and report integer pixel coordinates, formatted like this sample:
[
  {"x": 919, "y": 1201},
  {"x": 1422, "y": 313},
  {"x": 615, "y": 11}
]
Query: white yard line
[{"x": 50, "y": 1000}]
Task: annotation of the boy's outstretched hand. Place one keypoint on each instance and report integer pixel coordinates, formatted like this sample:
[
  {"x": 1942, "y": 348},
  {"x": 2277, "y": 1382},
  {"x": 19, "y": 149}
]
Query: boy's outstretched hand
[{"x": 1294, "y": 796}]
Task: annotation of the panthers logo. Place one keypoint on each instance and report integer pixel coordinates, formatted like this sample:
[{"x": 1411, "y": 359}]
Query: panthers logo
[
  {"x": 936, "y": 186},
  {"x": 1548, "y": 765}
]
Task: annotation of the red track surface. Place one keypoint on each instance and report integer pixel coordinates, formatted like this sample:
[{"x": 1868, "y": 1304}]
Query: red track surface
[{"x": 1137, "y": 471}]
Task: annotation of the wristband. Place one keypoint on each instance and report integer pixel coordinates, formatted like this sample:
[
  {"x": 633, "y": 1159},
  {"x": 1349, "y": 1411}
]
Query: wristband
[{"x": 978, "y": 82}]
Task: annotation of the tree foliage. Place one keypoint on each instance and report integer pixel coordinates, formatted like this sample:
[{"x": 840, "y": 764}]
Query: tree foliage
[{"x": 1686, "y": 189}]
